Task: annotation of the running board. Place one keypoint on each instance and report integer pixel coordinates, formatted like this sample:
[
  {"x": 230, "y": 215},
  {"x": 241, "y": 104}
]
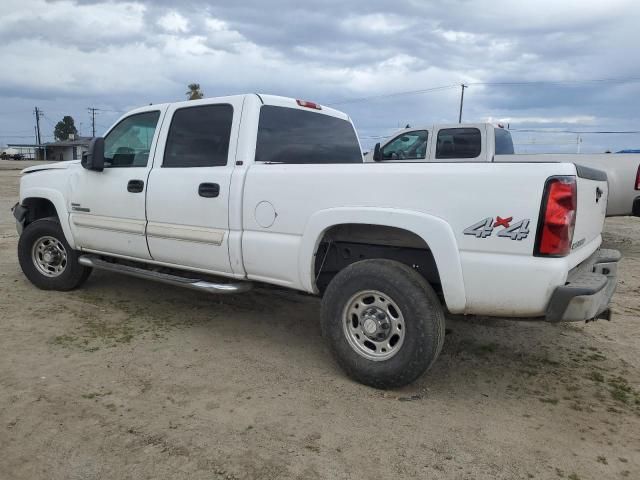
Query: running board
[{"x": 192, "y": 283}]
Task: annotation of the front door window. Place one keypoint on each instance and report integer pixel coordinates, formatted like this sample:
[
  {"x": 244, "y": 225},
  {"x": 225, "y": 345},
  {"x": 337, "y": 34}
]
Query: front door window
[
  {"x": 129, "y": 142},
  {"x": 407, "y": 146}
]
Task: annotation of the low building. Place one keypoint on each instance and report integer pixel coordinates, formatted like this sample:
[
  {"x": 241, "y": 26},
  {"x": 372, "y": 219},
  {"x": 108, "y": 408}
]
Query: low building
[
  {"x": 62, "y": 150},
  {"x": 18, "y": 151},
  {"x": 70, "y": 149}
]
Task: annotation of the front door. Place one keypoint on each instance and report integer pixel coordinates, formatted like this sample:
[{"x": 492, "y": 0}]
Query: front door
[
  {"x": 108, "y": 208},
  {"x": 188, "y": 198}
]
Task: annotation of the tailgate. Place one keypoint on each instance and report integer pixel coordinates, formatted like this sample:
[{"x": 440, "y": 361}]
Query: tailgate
[{"x": 592, "y": 196}]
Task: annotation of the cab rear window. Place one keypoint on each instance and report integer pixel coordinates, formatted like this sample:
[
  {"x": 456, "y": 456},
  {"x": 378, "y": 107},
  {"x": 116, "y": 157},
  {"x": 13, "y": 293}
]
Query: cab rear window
[{"x": 290, "y": 135}]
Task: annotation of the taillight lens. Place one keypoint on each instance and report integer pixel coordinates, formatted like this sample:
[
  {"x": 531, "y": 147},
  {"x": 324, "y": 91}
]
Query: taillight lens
[
  {"x": 557, "y": 217},
  {"x": 638, "y": 178}
]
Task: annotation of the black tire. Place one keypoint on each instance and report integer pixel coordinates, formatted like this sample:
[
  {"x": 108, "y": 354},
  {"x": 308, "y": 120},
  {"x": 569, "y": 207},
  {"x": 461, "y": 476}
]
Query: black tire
[
  {"x": 422, "y": 313},
  {"x": 73, "y": 274}
]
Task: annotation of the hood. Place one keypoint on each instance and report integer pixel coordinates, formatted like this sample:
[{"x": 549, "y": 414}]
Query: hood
[{"x": 50, "y": 166}]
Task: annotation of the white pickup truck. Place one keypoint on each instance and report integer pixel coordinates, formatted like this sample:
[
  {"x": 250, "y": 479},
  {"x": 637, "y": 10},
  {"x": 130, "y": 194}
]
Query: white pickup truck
[
  {"x": 222, "y": 193},
  {"x": 484, "y": 142}
]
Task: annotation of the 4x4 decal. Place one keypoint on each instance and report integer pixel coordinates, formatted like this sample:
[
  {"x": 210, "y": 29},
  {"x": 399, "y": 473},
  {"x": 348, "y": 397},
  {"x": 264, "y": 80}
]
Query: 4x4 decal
[{"x": 484, "y": 228}]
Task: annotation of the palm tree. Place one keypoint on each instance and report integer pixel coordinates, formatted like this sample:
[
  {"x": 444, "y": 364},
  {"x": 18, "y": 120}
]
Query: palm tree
[{"x": 194, "y": 92}]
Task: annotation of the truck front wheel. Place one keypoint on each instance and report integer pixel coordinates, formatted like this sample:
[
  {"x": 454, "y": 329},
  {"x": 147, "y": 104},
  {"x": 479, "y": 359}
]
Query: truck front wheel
[
  {"x": 383, "y": 321},
  {"x": 46, "y": 258}
]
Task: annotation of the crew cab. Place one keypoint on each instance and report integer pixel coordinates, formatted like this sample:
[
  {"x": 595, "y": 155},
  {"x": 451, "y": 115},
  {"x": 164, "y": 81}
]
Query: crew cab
[
  {"x": 223, "y": 193},
  {"x": 484, "y": 142}
]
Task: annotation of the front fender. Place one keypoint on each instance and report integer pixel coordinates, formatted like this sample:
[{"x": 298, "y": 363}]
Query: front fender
[
  {"x": 433, "y": 230},
  {"x": 57, "y": 198}
]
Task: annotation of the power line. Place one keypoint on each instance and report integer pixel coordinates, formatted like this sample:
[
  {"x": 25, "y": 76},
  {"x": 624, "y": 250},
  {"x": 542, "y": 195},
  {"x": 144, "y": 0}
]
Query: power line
[
  {"x": 24, "y": 136},
  {"x": 14, "y": 112},
  {"x": 395, "y": 94},
  {"x": 581, "y": 132},
  {"x": 467, "y": 84},
  {"x": 49, "y": 120},
  {"x": 559, "y": 82}
]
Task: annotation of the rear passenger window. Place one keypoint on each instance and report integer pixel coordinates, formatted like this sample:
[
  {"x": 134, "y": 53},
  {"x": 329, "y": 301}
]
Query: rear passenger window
[
  {"x": 199, "y": 137},
  {"x": 289, "y": 135},
  {"x": 458, "y": 143}
]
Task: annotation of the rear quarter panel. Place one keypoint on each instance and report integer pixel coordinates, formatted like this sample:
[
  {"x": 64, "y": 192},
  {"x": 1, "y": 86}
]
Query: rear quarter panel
[{"x": 500, "y": 275}]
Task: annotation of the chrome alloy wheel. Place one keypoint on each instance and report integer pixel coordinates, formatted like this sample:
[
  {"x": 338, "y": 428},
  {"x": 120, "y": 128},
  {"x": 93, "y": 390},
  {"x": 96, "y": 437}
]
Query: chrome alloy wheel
[
  {"x": 49, "y": 256},
  {"x": 373, "y": 325}
]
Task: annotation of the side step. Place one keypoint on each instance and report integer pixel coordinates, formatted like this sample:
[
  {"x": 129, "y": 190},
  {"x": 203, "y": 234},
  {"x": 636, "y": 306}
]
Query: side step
[{"x": 192, "y": 283}]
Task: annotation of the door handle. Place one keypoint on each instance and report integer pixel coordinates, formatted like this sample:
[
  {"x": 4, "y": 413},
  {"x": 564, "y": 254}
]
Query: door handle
[
  {"x": 209, "y": 190},
  {"x": 135, "y": 186}
]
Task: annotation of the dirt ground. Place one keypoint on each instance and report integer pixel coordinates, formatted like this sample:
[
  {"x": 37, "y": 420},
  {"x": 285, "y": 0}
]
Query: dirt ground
[{"x": 127, "y": 379}]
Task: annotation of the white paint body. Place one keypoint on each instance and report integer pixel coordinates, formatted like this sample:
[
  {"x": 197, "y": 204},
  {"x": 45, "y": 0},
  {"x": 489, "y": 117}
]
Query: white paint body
[
  {"x": 621, "y": 168},
  {"x": 269, "y": 219}
]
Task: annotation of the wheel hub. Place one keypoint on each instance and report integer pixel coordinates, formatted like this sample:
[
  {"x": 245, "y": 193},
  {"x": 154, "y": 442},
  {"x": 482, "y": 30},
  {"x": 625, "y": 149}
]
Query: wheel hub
[
  {"x": 373, "y": 325},
  {"x": 49, "y": 256},
  {"x": 370, "y": 326}
]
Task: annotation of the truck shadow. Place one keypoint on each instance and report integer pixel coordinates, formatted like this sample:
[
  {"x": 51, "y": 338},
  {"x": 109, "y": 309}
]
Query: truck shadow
[{"x": 487, "y": 357}]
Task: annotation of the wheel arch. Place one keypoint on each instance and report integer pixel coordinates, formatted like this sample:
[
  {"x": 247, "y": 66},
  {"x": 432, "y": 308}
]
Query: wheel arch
[
  {"x": 46, "y": 203},
  {"x": 436, "y": 234}
]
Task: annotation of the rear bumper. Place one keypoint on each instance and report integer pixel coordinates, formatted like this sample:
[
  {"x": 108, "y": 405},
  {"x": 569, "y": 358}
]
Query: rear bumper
[
  {"x": 636, "y": 207},
  {"x": 587, "y": 291}
]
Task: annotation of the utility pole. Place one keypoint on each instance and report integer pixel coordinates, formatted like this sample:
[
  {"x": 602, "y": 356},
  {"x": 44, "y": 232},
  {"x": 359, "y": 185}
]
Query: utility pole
[
  {"x": 93, "y": 120},
  {"x": 462, "y": 86},
  {"x": 38, "y": 113},
  {"x": 579, "y": 142}
]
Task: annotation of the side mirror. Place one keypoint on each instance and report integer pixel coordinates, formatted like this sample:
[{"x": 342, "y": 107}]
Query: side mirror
[
  {"x": 93, "y": 159},
  {"x": 377, "y": 153}
]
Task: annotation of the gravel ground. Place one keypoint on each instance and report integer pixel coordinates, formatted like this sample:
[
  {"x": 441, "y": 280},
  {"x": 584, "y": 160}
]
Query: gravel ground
[{"x": 129, "y": 379}]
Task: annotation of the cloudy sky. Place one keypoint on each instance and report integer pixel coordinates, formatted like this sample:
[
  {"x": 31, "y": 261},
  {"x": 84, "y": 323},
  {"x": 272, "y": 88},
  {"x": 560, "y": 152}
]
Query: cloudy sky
[{"x": 64, "y": 56}]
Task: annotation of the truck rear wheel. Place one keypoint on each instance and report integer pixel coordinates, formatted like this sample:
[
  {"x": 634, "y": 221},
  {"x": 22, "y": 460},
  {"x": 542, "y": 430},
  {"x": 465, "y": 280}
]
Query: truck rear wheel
[
  {"x": 383, "y": 321},
  {"x": 46, "y": 258}
]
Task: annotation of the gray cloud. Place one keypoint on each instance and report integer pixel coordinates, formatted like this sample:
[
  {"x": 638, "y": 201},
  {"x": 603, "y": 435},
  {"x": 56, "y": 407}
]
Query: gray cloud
[{"x": 116, "y": 55}]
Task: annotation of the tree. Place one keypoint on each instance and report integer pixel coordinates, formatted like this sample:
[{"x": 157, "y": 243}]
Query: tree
[
  {"x": 194, "y": 92},
  {"x": 64, "y": 128}
]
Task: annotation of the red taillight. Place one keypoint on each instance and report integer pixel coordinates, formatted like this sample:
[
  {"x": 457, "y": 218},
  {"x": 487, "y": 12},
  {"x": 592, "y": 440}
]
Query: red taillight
[
  {"x": 557, "y": 217},
  {"x": 304, "y": 103},
  {"x": 638, "y": 178}
]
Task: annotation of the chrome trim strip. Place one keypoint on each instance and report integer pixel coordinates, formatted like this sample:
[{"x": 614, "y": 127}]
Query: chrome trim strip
[
  {"x": 100, "y": 222},
  {"x": 188, "y": 233}
]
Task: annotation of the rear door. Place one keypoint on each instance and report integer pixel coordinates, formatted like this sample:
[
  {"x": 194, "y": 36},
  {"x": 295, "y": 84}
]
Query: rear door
[
  {"x": 188, "y": 197},
  {"x": 459, "y": 144}
]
